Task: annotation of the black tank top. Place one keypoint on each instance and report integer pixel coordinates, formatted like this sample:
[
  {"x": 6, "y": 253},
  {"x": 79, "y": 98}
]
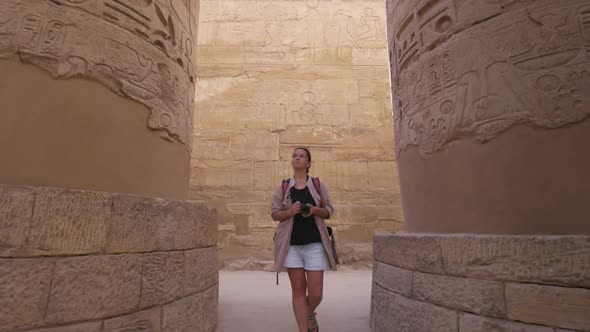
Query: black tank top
[{"x": 305, "y": 230}]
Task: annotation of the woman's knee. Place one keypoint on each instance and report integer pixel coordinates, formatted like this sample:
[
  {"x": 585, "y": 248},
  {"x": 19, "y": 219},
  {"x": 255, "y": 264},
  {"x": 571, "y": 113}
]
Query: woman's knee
[
  {"x": 315, "y": 295},
  {"x": 298, "y": 283}
]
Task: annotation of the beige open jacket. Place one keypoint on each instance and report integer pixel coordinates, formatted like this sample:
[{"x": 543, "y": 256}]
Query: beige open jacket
[{"x": 284, "y": 228}]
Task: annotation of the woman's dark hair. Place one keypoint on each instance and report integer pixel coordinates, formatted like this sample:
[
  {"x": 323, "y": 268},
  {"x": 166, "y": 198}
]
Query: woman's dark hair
[{"x": 308, "y": 156}]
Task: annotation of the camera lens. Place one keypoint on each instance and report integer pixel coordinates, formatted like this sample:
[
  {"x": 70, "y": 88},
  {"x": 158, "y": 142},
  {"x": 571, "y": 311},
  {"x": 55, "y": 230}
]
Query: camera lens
[{"x": 305, "y": 209}]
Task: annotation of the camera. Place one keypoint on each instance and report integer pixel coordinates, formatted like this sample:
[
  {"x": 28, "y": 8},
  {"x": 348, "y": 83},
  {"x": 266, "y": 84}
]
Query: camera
[{"x": 305, "y": 209}]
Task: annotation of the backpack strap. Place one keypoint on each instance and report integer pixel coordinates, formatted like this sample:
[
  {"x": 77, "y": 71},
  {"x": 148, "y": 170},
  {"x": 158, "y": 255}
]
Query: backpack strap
[
  {"x": 285, "y": 185},
  {"x": 318, "y": 188}
]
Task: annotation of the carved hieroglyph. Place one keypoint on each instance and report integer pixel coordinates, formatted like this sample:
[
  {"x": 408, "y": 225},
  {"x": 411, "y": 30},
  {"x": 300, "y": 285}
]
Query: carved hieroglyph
[
  {"x": 471, "y": 68},
  {"x": 141, "y": 49}
]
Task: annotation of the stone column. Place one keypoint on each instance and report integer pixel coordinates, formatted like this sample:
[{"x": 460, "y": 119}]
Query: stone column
[
  {"x": 491, "y": 106},
  {"x": 98, "y": 94},
  {"x": 95, "y": 231}
]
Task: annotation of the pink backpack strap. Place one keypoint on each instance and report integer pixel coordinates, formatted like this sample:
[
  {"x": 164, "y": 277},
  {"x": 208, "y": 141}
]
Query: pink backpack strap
[
  {"x": 285, "y": 185},
  {"x": 318, "y": 188}
]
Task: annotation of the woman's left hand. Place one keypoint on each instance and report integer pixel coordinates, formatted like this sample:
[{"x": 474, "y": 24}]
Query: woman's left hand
[{"x": 312, "y": 211}]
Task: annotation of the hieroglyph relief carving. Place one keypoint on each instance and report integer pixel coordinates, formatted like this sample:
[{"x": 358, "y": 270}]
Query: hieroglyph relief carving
[
  {"x": 473, "y": 69},
  {"x": 141, "y": 49}
]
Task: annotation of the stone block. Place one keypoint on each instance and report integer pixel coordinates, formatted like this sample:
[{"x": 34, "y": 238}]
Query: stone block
[
  {"x": 269, "y": 174},
  {"x": 478, "y": 296},
  {"x": 213, "y": 115},
  {"x": 306, "y": 135},
  {"x": 363, "y": 213},
  {"x": 411, "y": 252},
  {"x": 93, "y": 287},
  {"x": 473, "y": 323},
  {"x": 24, "y": 286},
  {"x": 390, "y": 212},
  {"x": 83, "y": 327},
  {"x": 393, "y": 313},
  {"x": 382, "y": 176},
  {"x": 562, "y": 307},
  {"x": 392, "y": 278},
  {"x": 16, "y": 211},
  {"x": 68, "y": 222},
  {"x": 184, "y": 315},
  {"x": 162, "y": 278},
  {"x": 221, "y": 175},
  {"x": 235, "y": 144},
  {"x": 141, "y": 224},
  {"x": 201, "y": 269},
  {"x": 559, "y": 260},
  {"x": 373, "y": 89},
  {"x": 220, "y": 54},
  {"x": 144, "y": 321},
  {"x": 210, "y": 304}
]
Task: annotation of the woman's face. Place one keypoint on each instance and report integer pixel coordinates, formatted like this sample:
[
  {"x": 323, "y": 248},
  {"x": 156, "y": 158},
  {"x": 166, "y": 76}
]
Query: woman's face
[{"x": 299, "y": 159}]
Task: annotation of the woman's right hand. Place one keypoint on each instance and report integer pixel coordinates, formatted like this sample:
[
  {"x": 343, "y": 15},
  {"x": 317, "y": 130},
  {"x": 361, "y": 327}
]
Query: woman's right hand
[{"x": 296, "y": 208}]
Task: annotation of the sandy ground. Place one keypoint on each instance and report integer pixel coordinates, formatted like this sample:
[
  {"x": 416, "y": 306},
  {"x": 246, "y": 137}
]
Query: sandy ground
[{"x": 251, "y": 302}]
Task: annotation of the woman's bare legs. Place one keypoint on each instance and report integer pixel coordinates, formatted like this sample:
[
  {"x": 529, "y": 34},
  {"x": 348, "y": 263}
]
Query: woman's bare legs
[
  {"x": 315, "y": 291},
  {"x": 307, "y": 289},
  {"x": 299, "y": 291}
]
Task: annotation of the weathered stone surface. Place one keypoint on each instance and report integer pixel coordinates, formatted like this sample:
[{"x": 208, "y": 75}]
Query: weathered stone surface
[
  {"x": 24, "y": 286},
  {"x": 201, "y": 269},
  {"x": 499, "y": 24},
  {"x": 93, "y": 287},
  {"x": 115, "y": 45},
  {"x": 411, "y": 252},
  {"x": 16, "y": 210},
  {"x": 162, "y": 278},
  {"x": 210, "y": 308},
  {"x": 393, "y": 278},
  {"x": 478, "y": 296},
  {"x": 142, "y": 224},
  {"x": 184, "y": 315},
  {"x": 473, "y": 323},
  {"x": 83, "y": 327},
  {"x": 562, "y": 307},
  {"x": 560, "y": 260},
  {"x": 144, "y": 321},
  {"x": 67, "y": 222},
  {"x": 392, "y": 312}
]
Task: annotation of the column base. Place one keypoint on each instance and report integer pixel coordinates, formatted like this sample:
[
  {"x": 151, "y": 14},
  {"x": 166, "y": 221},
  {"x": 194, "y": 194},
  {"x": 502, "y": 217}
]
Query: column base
[
  {"x": 74, "y": 260},
  {"x": 465, "y": 282}
]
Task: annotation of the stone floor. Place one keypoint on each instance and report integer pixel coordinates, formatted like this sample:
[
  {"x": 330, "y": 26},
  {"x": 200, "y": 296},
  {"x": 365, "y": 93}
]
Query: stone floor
[{"x": 251, "y": 301}]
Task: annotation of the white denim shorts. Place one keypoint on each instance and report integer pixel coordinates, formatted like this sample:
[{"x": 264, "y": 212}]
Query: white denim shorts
[{"x": 311, "y": 257}]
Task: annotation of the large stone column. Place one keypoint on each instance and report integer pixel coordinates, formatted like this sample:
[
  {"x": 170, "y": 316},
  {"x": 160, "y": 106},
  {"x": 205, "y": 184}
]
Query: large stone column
[
  {"x": 98, "y": 94},
  {"x": 491, "y": 104},
  {"x": 95, "y": 233}
]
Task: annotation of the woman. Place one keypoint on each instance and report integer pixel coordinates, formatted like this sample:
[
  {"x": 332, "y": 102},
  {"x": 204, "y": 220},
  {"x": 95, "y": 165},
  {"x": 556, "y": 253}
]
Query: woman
[{"x": 302, "y": 243}]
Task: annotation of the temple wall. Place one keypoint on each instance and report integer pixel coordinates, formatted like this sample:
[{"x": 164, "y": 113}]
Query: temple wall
[{"x": 274, "y": 75}]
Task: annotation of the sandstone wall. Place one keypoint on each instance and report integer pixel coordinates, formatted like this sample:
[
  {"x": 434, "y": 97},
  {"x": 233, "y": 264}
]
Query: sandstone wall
[
  {"x": 273, "y": 75},
  {"x": 78, "y": 260}
]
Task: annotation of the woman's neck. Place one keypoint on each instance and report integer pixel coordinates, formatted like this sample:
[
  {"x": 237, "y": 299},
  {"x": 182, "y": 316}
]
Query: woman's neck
[{"x": 300, "y": 175}]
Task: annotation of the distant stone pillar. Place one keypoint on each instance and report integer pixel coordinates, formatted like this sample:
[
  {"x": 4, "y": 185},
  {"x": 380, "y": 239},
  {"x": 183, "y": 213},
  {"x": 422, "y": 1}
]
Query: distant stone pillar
[
  {"x": 491, "y": 105},
  {"x": 96, "y": 102}
]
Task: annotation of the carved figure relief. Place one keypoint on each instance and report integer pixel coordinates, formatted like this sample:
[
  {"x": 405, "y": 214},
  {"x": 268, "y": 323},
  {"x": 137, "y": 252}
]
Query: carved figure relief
[
  {"x": 307, "y": 114},
  {"x": 123, "y": 44},
  {"x": 519, "y": 67}
]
